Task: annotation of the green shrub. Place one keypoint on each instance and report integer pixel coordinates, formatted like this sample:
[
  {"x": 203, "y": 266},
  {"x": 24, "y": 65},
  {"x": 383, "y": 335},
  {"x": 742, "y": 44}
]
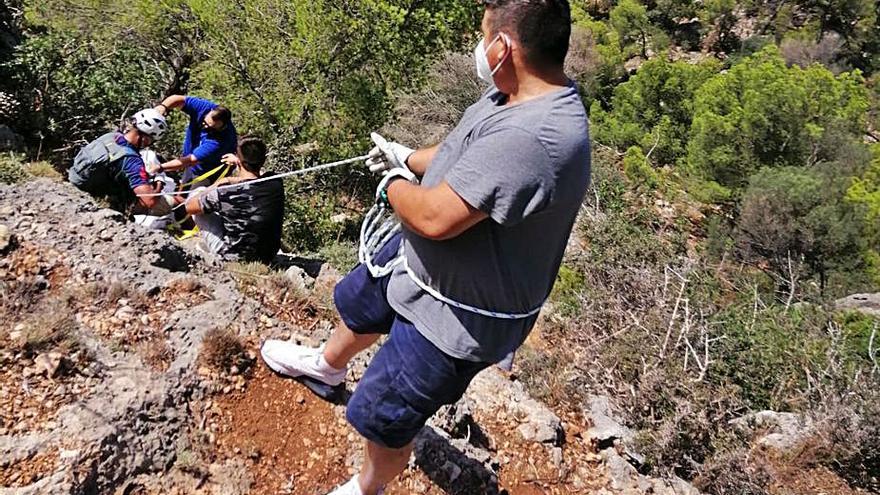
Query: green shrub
[
  {"x": 569, "y": 285},
  {"x": 42, "y": 170},
  {"x": 638, "y": 170},
  {"x": 341, "y": 255},
  {"x": 654, "y": 108},
  {"x": 763, "y": 113},
  {"x": 11, "y": 169},
  {"x": 791, "y": 216}
]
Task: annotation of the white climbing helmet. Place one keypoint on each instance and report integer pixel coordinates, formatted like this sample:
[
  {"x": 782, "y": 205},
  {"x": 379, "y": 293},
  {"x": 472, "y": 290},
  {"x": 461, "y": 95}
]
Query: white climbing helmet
[{"x": 151, "y": 123}]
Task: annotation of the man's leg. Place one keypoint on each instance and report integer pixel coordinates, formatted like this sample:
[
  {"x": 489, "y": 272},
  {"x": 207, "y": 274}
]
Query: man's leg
[
  {"x": 364, "y": 316},
  {"x": 381, "y": 466},
  {"x": 211, "y": 231},
  {"x": 344, "y": 345},
  {"x": 405, "y": 384}
]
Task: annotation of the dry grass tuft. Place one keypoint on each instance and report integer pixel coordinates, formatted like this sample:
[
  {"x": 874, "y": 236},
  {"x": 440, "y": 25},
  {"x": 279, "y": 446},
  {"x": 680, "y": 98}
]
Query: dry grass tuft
[
  {"x": 56, "y": 331},
  {"x": 185, "y": 284},
  {"x": 156, "y": 352},
  {"x": 42, "y": 170},
  {"x": 222, "y": 349}
]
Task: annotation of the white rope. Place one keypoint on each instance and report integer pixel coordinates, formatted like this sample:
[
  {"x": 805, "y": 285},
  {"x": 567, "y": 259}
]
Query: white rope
[
  {"x": 308, "y": 170},
  {"x": 380, "y": 225},
  {"x": 460, "y": 305}
]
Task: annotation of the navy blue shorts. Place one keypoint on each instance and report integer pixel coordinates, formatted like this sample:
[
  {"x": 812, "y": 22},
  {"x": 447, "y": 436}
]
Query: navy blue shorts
[{"x": 409, "y": 378}]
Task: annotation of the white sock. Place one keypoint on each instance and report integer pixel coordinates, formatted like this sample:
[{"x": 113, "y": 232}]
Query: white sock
[
  {"x": 324, "y": 366},
  {"x": 356, "y": 484}
]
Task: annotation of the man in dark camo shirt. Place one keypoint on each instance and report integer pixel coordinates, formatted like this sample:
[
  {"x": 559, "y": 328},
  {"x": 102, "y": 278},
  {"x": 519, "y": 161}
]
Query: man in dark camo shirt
[{"x": 241, "y": 223}]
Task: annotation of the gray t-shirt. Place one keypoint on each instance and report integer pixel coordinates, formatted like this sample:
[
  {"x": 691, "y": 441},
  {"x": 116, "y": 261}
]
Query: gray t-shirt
[{"x": 527, "y": 166}]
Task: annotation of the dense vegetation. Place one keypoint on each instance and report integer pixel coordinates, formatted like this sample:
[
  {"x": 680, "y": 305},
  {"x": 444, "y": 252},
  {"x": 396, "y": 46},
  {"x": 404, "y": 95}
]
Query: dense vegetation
[{"x": 736, "y": 183}]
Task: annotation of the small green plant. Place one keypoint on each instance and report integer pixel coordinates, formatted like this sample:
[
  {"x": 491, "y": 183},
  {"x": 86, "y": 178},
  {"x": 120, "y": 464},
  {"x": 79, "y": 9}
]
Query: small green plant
[
  {"x": 638, "y": 170},
  {"x": 341, "y": 255},
  {"x": 11, "y": 170},
  {"x": 188, "y": 461},
  {"x": 569, "y": 285}
]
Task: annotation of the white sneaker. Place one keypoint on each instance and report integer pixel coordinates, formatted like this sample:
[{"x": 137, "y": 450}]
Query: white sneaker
[
  {"x": 297, "y": 361},
  {"x": 351, "y": 488}
]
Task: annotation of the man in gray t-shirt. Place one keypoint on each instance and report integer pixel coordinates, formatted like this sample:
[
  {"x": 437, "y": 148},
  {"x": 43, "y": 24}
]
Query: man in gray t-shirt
[
  {"x": 526, "y": 166},
  {"x": 483, "y": 236}
]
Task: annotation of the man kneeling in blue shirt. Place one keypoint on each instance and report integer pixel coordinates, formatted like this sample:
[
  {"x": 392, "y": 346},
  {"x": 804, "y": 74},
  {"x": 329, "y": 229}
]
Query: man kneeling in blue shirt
[
  {"x": 209, "y": 136},
  {"x": 483, "y": 238}
]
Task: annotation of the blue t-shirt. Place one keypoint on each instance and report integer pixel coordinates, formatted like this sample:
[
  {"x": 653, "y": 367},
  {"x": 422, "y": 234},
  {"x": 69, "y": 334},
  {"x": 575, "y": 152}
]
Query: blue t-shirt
[
  {"x": 207, "y": 148},
  {"x": 133, "y": 166}
]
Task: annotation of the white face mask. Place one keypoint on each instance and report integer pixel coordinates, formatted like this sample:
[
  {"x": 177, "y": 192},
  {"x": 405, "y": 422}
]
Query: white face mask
[{"x": 484, "y": 70}]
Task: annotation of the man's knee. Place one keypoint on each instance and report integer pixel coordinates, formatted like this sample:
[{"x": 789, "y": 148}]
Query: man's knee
[{"x": 407, "y": 382}]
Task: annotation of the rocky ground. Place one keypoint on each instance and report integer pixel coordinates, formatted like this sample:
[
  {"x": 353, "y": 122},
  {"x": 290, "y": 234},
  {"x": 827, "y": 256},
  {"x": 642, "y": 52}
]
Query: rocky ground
[{"x": 128, "y": 366}]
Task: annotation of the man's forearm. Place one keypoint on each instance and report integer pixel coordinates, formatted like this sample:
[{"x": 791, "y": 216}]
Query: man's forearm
[
  {"x": 193, "y": 206},
  {"x": 409, "y": 203},
  {"x": 178, "y": 164},
  {"x": 435, "y": 213},
  {"x": 145, "y": 203},
  {"x": 419, "y": 161},
  {"x": 173, "y": 101}
]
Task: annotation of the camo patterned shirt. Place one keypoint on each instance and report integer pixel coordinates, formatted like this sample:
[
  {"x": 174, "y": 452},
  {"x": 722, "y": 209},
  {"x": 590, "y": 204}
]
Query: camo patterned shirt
[{"x": 252, "y": 217}]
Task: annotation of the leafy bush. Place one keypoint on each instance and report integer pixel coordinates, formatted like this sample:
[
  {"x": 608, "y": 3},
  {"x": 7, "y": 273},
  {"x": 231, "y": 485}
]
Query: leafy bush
[
  {"x": 794, "y": 215},
  {"x": 630, "y": 19},
  {"x": 340, "y": 255},
  {"x": 425, "y": 116},
  {"x": 653, "y": 109},
  {"x": 638, "y": 170},
  {"x": 762, "y": 113},
  {"x": 86, "y": 87},
  {"x": 11, "y": 169}
]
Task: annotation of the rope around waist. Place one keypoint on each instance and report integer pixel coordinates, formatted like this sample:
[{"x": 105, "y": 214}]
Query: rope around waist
[
  {"x": 466, "y": 307},
  {"x": 379, "y": 227}
]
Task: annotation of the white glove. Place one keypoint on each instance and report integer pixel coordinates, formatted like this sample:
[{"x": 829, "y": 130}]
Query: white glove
[
  {"x": 394, "y": 173},
  {"x": 151, "y": 161},
  {"x": 387, "y": 156}
]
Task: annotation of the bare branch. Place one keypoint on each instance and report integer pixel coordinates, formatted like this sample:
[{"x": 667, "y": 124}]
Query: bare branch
[
  {"x": 872, "y": 351},
  {"x": 792, "y": 282},
  {"x": 672, "y": 319}
]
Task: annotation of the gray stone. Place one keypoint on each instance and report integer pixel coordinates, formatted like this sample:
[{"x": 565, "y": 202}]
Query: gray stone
[
  {"x": 49, "y": 364},
  {"x": 777, "y": 431},
  {"x": 5, "y": 238},
  {"x": 673, "y": 486},
  {"x": 868, "y": 304},
  {"x": 297, "y": 277},
  {"x": 557, "y": 457},
  {"x": 604, "y": 429},
  {"x": 498, "y": 396},
  {"x": 622, "y": 474}
]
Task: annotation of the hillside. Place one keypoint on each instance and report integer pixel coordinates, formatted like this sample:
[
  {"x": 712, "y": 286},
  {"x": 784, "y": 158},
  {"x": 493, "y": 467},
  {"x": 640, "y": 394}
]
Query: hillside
[
  {"x": 714, "y": 323},
  {"x": 128, "y": 367}
]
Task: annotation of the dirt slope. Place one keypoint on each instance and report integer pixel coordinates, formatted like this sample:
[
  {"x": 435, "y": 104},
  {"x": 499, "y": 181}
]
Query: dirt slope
[{"x": 102, "y": 388}]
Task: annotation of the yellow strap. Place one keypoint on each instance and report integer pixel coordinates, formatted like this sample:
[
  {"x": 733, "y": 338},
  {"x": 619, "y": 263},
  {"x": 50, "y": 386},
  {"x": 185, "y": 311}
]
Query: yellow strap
[
  {"x": 208, "y": 174},
  {"x": 175, "y": 228},
  {"x": 187, "y": 234}
]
